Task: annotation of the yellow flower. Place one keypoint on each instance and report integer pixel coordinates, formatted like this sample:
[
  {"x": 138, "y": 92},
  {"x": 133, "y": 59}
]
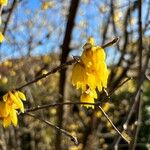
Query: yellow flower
[
  {"x": 3, "y": 110},
  {"x": 88, "y": 97},
  {"x": 79, "y": 76},
  {"x": 3, "y": 2},
  {"x": 12, "y": 117},
  {"x": 91, "y": 71},
  {"x": 12, "y": 101},
  {"x": 93, "y": 58},
  {"x": 1, "y": 37}
]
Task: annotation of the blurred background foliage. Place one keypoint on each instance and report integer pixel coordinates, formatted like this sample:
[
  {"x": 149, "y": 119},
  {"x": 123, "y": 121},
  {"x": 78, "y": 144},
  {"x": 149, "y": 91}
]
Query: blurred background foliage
[{"x": 37, "y": 40}]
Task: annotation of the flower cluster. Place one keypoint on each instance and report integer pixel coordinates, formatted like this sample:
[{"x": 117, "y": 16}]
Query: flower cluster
[
  {"x": 91, "y": 72},
  {"x": 11, "y": 102}
]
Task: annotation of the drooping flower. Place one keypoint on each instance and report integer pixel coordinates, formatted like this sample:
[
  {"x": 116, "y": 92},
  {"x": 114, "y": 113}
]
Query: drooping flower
[
  {"x": 91, "y": 71},
  {"x": 12, "y": 101},
  {"x": 3, "y": 2},
  {"x": 88, "y": 97}
]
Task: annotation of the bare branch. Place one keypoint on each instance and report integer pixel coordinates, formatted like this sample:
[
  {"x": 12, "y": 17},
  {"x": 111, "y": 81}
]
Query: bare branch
[
  {"x": 115, "y": 89},
  {"x": 111, "y": 42},
  {"x": 54, "y": 70},
  {"x": 106, "y": 116},
  {"x": 62, "y": 66},
  {"x": 74, "y": 139},
  {"x": 138, "y": 123}
]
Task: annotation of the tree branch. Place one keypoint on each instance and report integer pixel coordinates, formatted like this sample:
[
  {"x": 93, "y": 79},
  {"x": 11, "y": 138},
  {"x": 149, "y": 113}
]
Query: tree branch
[
  {"x": 106, "y": 116},
  {"x": 62, "y": 66},
  {"x": 74, "y": 139}
]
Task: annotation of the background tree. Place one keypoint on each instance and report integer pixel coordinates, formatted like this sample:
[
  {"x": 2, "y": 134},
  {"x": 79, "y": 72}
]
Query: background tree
[{"x": 40, "y": 35}]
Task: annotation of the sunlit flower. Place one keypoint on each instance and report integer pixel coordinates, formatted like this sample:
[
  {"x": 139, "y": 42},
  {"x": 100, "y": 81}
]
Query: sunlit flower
[
  {"x": 88, "y": 97},
  {"x": 1, "y": 37},
  {"x": 3, "y": 110},
  {"x": 3, "y": 2},
  {"x": 79, "y": 76},
  {"x": 91, "y": 71},
  {"x": 12, "y": 101},
  {"x": 12, "y": 117}
]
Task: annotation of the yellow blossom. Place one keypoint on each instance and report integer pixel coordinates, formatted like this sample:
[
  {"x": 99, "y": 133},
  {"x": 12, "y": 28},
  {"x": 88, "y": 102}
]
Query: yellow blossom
[
  {"x": 79, "y": 76},
  {"x": 12, "y": 117},
  {"x": 1, "y": 37},
  {"x": 3, "y": 110},
  {"x": 12, "y": 101},
  {"x": 88, "y": 97},
  {"x": 3, "y": 2},
  {"x": 91, "y": 72}
]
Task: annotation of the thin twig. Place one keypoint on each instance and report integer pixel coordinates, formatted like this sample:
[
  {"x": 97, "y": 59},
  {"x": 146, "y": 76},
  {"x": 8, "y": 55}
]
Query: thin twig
[
  {"x": 140, "y": 49},
  {"x": 74, "y": 139},
  {"x": 60, "y": 104},
  {"x": 75, "y": 103},
  {"x": 62, "y": 66},
  {"x": 54, "y": 70},
  {"x": 111, "y": 43},
  {"x": 115, "y": 89},
  {"x": 132, "y": 109},
  {"x": 125, "y": 126},
  {"x": 106, "y": 116},
  {"x": 9, "y": 16},
  {"x": 57, "y": 104},
  {"x": 140, "y": 40},
  {"x": 138, "y": 122}
]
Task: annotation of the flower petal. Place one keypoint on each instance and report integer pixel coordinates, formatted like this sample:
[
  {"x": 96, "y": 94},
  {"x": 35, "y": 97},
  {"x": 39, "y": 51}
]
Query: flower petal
[
  {"x": 21, "y": 95},
  {"x": 3, "y": 110},
  {"x": 14, "y": 118},
  {"x": 17, "y": 101},
  {"x": 6, "y": 121}
]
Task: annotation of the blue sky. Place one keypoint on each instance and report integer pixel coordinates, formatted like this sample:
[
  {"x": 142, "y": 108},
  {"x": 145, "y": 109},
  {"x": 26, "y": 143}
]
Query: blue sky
[{"x": 87, "y": 12}]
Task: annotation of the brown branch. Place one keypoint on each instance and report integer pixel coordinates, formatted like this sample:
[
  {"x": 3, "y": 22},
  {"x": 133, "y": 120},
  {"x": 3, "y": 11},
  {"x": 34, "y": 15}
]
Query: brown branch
[
  {"x": 147, "y": 21},
  {"x": 59, "y": 104},
  {"x": 140, "y": 43},
  {"x": 124, "y": 47},
  {"x": 140, "y": 49},
  {"x": 74, "y": 139},
  {"x": 116, "y": 88},
  {"x": 138, "y": 122},
  {"x": 54, "y": 70},
  {"x": 113, "y": 22},
  {"x": 126, "y": 34},
  {"x": 132, "y": 110},
  {"x": 105, "y": 29},
  {"x": 62, "y": 66},
  {"x": 115, "y": 40},
  {"x": 9, "y": 16},
  {"x": 65, "y": 51},
  {"x": 74, "y": 103},
  {"x": 106, "y": 116},
  {"x": 135, "y": 97}
]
